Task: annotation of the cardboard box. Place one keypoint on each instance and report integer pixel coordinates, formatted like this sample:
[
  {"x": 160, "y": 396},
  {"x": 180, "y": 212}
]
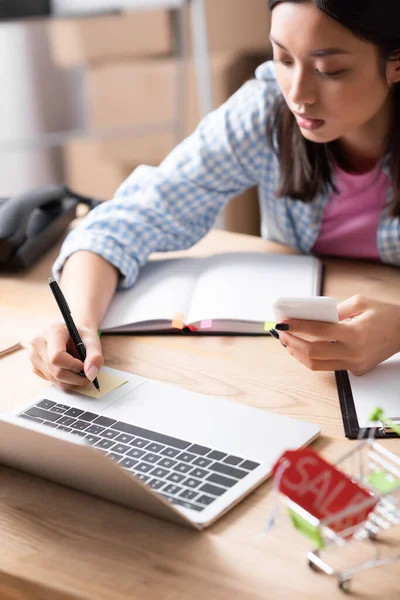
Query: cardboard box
[
  {"x": 145, "y": 93},
  {"x": 89, "y": 172},
  {"x": 75, "y": 42},
  {"x": 232, "y": 25}
]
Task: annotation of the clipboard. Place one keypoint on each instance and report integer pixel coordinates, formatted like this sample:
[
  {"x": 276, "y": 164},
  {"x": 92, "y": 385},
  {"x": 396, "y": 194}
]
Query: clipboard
[{"x": 351, "y": 423}]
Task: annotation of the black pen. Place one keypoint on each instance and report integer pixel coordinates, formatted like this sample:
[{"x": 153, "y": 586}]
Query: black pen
[{"x": 73, "y": 332}]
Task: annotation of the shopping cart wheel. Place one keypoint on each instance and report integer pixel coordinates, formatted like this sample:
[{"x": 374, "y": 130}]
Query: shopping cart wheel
[{"x": 344, "y": 585}]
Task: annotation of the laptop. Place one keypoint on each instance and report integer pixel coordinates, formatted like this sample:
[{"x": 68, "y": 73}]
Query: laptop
[{"x": 175, "y": 454}]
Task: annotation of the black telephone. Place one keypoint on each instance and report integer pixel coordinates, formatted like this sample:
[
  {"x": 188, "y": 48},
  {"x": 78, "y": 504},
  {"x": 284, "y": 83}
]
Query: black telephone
[{"x": 31, "y": 222}]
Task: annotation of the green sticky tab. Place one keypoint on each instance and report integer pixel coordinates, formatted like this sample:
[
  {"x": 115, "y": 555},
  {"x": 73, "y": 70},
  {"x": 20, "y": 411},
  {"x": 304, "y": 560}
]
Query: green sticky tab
[
  {"x": 383, "y": 482},
  {"x": 269, "y": 325},
  {"x": 99, "y": 332},
  {"x": 378, "y": 415},
  {"x": 312, "y": 532}
]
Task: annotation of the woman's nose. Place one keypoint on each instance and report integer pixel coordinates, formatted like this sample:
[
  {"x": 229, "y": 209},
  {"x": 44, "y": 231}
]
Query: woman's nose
[{"x": 302, "y": 90}]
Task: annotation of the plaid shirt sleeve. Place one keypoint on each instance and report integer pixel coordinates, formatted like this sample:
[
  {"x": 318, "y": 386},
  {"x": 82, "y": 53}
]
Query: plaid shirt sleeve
[{"x": 172, "y": 206}]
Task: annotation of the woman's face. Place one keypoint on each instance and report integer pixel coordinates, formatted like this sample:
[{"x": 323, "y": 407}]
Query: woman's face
[{"x": 331, "y": 80}]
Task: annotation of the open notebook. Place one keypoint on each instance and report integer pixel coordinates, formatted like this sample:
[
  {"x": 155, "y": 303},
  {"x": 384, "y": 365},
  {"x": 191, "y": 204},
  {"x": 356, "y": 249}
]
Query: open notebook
[{"x": 229, "y": 292}]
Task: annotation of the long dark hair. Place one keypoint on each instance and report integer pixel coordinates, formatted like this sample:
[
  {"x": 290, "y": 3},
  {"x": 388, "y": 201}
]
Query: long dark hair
[{"x": 306, "y": 169}]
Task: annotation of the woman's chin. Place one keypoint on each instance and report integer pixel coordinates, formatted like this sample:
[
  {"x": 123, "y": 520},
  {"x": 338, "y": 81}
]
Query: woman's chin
[{"x": 318, "y": 136}]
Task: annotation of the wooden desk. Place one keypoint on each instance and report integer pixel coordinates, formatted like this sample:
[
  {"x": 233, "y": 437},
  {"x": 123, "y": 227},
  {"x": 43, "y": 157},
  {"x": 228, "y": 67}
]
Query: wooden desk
[{"x": 58, "y": 543}]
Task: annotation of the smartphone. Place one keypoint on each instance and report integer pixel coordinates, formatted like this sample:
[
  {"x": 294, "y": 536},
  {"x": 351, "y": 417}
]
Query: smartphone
[{"x": 313, "y": 308}]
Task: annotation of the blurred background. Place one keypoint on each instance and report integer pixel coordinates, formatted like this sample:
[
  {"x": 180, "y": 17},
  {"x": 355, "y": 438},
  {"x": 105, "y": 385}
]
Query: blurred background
[{"x": 88, "y": 92}]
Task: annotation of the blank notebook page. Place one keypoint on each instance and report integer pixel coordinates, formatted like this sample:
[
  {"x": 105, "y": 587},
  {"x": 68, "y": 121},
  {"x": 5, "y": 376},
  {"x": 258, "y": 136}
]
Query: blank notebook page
[
  {"x": 378, "y": 388},
  {"x": 164, "y": 288},
  {"x": 243, "y": 286}
]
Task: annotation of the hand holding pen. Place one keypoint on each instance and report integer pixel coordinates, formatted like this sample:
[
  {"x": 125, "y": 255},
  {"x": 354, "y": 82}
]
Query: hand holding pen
[{"x": 69, "y": 322}]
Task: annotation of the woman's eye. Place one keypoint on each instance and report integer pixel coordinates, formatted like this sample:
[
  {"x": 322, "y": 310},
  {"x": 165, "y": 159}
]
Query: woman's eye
[
  {"x": 332, "y": 73},
  {"x": 286, "y": 63}
]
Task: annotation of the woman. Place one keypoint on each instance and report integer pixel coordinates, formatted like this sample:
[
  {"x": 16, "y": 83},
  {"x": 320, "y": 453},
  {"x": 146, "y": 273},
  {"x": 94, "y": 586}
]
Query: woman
[{"x": 318, "y": 131}]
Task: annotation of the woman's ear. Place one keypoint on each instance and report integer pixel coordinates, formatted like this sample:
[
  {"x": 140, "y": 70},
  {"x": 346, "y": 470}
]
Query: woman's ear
[{"x": 393, "y": 69}]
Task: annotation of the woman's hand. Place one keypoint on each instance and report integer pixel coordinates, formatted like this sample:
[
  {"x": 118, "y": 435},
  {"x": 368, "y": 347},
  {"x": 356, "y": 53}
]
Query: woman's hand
[
  {"x": 368, "y": 333},
  {"x": 54, "y": 357}
]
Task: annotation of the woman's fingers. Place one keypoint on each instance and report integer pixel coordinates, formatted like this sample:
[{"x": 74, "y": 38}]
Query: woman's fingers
[
  {"x": 318, "y": 365},
  {"x": 315, "y": 329},
  {"x": 58, "y": 358},
  {"x": 315, "y": 350}
]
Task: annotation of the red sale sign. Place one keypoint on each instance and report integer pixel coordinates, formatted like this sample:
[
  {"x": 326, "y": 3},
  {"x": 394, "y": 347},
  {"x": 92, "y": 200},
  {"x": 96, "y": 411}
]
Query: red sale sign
[{"x": 322, "y": 490}]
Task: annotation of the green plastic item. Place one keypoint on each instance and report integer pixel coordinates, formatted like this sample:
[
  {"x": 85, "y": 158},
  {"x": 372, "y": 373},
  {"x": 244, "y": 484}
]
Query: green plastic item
[
  {"x": 383, "y": 482},
  {"x": 378, "y": 415},
  {"x": 312, "y": 532}
]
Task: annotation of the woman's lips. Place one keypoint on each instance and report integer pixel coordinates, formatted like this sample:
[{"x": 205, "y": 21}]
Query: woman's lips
[{"x": 307, "y": 123}]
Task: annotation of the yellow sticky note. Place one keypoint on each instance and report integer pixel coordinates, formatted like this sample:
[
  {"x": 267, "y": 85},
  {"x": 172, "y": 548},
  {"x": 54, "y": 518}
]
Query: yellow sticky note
[
  {"x": 269, "y": 325},
  {"x": 107, "y": 382},
  {"x": 178, "y": 321}
]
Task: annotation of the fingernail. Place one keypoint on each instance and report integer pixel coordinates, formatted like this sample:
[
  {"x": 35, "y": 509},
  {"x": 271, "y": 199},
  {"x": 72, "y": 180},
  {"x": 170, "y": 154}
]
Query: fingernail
[
  {"x": 282, "y": 327},
  {"x": 92, "y": 373},
  {"x": 274, "y": 333}
]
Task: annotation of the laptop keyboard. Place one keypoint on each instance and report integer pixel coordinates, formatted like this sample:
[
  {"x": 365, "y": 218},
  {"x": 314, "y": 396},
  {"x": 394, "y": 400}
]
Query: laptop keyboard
[{"x": 185, "y": 473}]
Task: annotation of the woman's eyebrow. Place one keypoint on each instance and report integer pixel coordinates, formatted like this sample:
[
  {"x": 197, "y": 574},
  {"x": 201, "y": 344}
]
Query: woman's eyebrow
[{"x": 320, "y": 52}]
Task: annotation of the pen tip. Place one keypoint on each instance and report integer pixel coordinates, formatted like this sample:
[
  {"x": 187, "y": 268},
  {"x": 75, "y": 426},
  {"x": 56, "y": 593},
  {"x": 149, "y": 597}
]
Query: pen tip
[{"x": 51, "y": 280}]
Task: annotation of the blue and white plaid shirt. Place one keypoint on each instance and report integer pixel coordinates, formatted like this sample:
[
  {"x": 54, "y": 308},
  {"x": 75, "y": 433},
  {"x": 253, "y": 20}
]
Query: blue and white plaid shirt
[{"x": 172, "y": 206}]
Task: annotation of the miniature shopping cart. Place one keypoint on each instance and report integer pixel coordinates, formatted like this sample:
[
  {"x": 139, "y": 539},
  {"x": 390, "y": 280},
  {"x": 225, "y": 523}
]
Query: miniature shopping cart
[{"x": 357, "y": 499}]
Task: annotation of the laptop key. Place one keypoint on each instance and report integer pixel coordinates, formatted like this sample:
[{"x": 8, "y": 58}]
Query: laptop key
[
  {"x": 92, "y": 439},
  {"x": 139, "y": 443},
  {"x": 156, "y": 484},
  {"x": 66, "y": 421},
  {"x": 45, "y": 403},
  {"x": 63, "y": 428},
  {"x": 206, "y": 500},
  {"x": 115, "y": 457},
  {"x": 221, "y": 480},
  {"x": 121, "y": 448},
  {"x": 232, "y": 460},
  {"x": 105, "y": 444},
  {"x": 189, "y": 494},
  {"x": 143, "y": 467},
  {"x": 198, "y": 473},
  {"x": 28, "y": 418},
  {"x": 249, "y": 465},
  {"x": 192, "y": 483},
  {"x": 182, "y": 467},
  {"x": 142, "y": 477},
  {"x": 172, "y": 489},
  {"x": 48, "y": 423},
  {"x": 216, "y": 455},
  {"x": 153, "y": 447},
  {"x": 168, "y": 463},
  {"x": 136, "y": 453},
  {"x": 151, "y": 458},
  {"x": 127, "y": 463},
  {"x": 212, "y": 489},
  {"x": 88, "y": 416},
  {"x": 81, "y": 425},
  {"x": 170, "y": 452},
  {"x": 175, "y": 477},
  {"x": 196, "y": 449},
  {"x": 186, "y": 457},
  {"x": 104, "y": 421},
  {"x": 95, "y": 429},
  {"x": 110, "y": 434},
  {"x": 74, "y": 412},
  {"x": 77, "y": 432},
  {"x": 46, "y": 415},
  {"x": 157, "y": 472},
  {"x": 58, "y": 409},
  {"x": 228, "y": 470},
  {"x": 202, "y": 462},
  {"x": 124, "y": 438}
]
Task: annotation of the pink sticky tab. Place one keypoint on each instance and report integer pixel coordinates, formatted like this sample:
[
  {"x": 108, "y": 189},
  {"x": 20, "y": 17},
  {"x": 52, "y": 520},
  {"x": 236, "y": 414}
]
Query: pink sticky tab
[{"x": 206, "y": 324}]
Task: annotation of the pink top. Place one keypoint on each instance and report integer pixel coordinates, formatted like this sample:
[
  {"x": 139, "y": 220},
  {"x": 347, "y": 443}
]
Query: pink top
[{"x": 351, "y": 216}]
